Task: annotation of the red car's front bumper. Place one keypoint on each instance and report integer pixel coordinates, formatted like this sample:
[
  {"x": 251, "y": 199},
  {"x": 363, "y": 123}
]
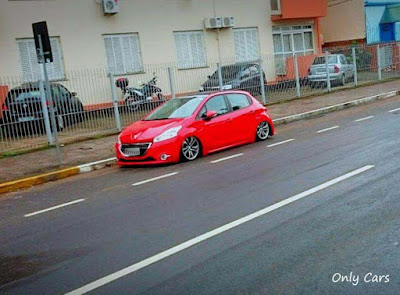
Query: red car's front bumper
[{"x": 164, "y": 152}]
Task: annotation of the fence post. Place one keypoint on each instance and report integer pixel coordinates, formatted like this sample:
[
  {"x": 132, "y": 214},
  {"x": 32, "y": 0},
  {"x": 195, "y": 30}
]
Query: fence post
[
  {"x": 171, "y": 82},
  {"x": 296, "y": 71},
  {"x": 45, "y": 110},
  {"x": 221, "y": 85},
  {"x": 52, "y": 105},
  {"x": 379, "y": 63},
  {"x": 353, "y": 52},
  {"x": 328, "y": 75},
  {"x": 115, "y": 102},
  {"x": 262, "y": 84}
]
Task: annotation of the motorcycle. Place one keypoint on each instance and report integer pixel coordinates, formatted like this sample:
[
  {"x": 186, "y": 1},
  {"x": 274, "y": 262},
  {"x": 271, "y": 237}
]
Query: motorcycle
[{"x": 136, "y": 98}]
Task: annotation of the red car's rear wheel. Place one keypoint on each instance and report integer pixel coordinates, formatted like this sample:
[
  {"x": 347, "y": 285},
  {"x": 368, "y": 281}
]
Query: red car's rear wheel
[{"x": 263, "y": 131}]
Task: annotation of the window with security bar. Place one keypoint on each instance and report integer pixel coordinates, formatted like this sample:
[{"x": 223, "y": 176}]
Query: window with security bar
[
  {"x": 289, "y": 40},
  {"x": 123, "y": 54},
  {"x": 246, "y": 44},
  {"x": 190, "y": 49},
  {"x": 29, "y": 64}
]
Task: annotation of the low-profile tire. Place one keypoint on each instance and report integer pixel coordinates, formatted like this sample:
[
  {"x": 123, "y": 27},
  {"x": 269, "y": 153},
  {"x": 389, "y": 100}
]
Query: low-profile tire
[
  {"x": 263, "y": 131},
  {"x": 190, "y": 149}
]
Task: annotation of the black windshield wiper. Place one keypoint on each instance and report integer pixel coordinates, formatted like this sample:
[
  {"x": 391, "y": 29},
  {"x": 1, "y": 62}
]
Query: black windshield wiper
[{"x": 157, "y": 119}]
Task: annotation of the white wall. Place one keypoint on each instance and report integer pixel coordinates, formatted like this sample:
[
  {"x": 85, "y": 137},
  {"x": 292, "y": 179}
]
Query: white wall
[{"x": 81, "y": 24}]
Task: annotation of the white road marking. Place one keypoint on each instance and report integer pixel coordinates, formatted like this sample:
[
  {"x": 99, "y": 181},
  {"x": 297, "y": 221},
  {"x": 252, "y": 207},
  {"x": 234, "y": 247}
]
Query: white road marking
[
  {"x": 54, "y": 208},
  {"x": 327, "y": 129},
  {"x": 155, "y": 178},
  {"x": 153, "y": 259},
  {"x": 395, "y": 110},
  {"x": 227, "y": 158},
  {"x": 363, "y": 119},
  {"x": 281, "y": 142}
]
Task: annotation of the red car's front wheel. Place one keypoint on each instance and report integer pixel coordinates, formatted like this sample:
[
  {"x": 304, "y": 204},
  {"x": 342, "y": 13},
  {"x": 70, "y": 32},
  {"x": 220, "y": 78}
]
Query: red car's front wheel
[{"x": 190, "y": 149}]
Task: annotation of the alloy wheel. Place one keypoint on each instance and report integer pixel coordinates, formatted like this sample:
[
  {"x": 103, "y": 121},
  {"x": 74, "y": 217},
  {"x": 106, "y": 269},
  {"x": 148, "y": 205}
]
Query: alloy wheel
[
  {"x": 191, "y": 148},
  {"x": 262, "y": 131}
]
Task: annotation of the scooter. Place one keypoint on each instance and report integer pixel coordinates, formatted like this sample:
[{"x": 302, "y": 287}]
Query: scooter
[{"x": 135, "y": 98}]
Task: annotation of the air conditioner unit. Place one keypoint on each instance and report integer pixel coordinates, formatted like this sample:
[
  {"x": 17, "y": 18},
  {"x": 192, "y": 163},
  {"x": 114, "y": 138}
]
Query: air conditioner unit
[
  {"x": 110, "y": 6},
  {"x": 213, "y": 23},
  {"x": 228, "y": 21}
]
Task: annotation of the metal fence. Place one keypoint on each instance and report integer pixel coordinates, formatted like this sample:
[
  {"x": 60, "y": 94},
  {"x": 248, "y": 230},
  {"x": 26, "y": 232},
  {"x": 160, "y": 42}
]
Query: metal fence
[{"x": 92, "y": 102}]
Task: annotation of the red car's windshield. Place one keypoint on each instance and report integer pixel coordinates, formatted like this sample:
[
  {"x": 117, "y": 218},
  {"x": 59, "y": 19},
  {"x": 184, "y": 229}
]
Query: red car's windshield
[{"x": 176, "y": 108}]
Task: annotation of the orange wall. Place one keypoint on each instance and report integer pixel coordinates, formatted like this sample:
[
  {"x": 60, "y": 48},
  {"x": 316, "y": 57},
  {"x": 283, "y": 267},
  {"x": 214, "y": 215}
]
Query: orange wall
[
  {"x": 303, "y": 8},
  {"x": 3, "y": 94}
]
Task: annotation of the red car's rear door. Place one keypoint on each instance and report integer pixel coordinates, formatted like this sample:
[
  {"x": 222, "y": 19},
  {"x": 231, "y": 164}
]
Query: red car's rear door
[{"x": 243, "y": 118}]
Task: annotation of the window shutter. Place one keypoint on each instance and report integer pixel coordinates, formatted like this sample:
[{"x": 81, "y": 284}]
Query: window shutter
[
  {"x": 123, "y": 53},
  {"x": 31, "y": 69},
  {"x": 118, "y": 55},
  {"x": 246, "y": 44},
  {"x": 190, "y": 49},
  {"x": 110, "y": 55},
  {"x": 26, "y": 64}
]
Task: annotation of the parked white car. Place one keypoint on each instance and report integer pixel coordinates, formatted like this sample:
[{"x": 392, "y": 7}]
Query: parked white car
[{"x": 340, "y": 70}]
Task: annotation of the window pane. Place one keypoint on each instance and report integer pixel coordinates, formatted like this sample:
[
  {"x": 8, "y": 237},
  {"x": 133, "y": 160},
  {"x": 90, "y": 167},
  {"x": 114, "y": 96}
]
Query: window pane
[
  {"x": 217, "y": 104},
  {"x": 277, "y": 43},
  {"x": 287, "y": 43},
  {"x": 308, "y": 40},
  {"x": 298, "y": 42},
  {"x": 280, "y": 64},
  {"x": 238, "y": 101},
  {"x": 275, "y": 5}
]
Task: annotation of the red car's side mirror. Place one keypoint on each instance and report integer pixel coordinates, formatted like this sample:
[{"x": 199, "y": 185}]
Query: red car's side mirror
[{"x": 210, "y": 114}]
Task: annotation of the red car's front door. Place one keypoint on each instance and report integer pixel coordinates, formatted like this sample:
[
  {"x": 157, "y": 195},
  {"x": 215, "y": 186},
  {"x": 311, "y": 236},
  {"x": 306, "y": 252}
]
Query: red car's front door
[{"x": 216, "y": 133}]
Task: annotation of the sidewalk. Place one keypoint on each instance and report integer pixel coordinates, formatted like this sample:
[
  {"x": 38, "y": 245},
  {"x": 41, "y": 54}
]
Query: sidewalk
[{"x": 93, "y": 150}]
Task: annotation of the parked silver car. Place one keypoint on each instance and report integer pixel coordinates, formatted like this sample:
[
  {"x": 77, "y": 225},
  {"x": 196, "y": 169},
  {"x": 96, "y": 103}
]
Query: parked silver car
[{"x": 340, "y": 70}]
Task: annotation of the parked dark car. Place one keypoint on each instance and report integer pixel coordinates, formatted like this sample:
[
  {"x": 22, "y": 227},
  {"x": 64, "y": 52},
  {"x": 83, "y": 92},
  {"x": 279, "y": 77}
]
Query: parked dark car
[
  {"x": 236, "y": 76},
  {"x": 23, "y": 106}
]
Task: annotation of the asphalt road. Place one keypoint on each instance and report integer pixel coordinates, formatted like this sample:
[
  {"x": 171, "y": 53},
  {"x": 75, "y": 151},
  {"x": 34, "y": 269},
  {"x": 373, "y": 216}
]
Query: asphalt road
[{"x": 326, "y": 198}]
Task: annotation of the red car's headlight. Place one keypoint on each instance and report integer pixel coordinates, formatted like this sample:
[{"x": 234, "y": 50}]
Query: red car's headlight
[{"x": 168, "y": 134}]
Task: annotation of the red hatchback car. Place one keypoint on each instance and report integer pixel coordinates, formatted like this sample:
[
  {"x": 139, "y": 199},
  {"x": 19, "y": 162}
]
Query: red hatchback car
[{"x": 188, "y": 127}]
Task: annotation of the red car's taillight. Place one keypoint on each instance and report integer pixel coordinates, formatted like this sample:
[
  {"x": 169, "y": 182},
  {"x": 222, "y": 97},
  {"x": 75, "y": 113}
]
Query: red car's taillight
[
  {"x": 48, "y": 103},
  {"x": 336, "y": 69}
]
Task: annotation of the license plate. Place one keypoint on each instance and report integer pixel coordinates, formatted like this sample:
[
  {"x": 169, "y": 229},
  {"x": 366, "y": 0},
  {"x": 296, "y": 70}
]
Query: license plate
[
  {"x": 25, "y": 119},
  {"x": 132, "y": 151}
]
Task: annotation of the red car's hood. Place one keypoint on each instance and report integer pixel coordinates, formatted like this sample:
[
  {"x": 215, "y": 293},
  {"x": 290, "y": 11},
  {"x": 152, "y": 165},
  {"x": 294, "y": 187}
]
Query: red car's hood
[{"x": 143, "y": 131}]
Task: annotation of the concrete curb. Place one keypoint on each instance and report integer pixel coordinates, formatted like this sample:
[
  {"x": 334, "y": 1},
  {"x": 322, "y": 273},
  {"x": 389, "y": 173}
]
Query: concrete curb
[
  {"x": 334, "y": 108},
  {"x": 10, "y": 186},
  {"x": 43, "y": 178}
]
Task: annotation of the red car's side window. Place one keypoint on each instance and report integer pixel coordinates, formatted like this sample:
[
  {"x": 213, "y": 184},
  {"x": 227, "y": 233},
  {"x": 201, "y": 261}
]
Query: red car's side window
[
  {"x": 238, "y": 101},
  {"x": 217, "y": 104}
]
